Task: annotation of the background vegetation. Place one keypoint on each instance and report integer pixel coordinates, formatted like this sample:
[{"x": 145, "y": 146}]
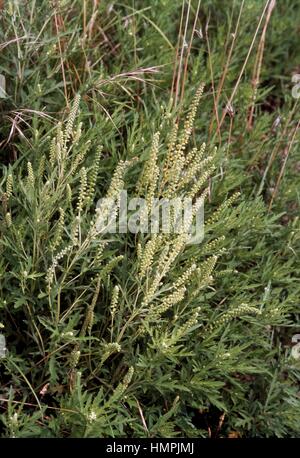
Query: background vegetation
[{"x": 83, "y": 359}]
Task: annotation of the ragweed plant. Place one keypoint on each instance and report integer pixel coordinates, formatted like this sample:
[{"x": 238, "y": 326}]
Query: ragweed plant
[
  {"x": 144, "y": 334},
  {"x": 98, "y": 324}
]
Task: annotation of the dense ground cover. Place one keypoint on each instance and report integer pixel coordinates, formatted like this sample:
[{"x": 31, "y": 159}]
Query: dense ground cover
[{"x": 132, "y": 335}]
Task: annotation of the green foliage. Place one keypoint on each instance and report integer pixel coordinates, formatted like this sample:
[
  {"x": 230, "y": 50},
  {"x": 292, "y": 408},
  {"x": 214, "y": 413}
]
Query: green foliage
[{"x": 133, "y": 335}]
